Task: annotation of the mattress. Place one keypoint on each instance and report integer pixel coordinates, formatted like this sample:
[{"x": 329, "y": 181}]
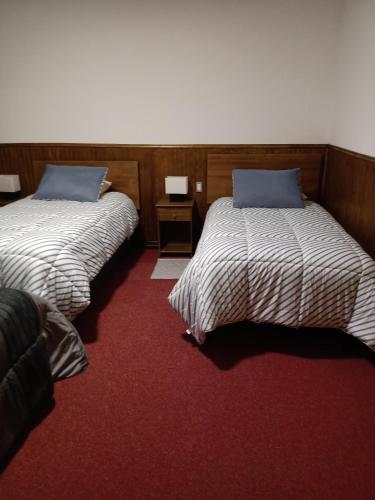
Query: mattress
[
  {"x": 53, "y": 249},
  {"x": 293, "y": 267}
]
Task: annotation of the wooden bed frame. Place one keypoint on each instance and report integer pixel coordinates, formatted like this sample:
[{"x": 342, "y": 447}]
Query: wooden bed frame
[
  {"x": 220, "y": 166},
  {"x": 124, "y": 175}
]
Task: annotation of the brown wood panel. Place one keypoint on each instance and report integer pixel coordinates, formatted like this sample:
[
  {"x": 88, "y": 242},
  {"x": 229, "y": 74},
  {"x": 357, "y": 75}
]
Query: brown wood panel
[
  {"x": 154, "y": 163},
  {"x": 15, "y": 159},
  {"x": 220, "y": 167},
  {"x": 348, "y": 191},
  {"x": 123, "y": 174},
  {"x": 349, "y": 194},
  {"x": 18, "y": 158}
]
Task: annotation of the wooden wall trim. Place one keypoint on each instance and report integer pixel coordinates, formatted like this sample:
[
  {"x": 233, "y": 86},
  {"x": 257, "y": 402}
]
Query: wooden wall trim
[
  {"x": 360, "y": 156},
  {"x": 163, "y": 146},
  {"x": 349, "y": 193},
  {"x": 154, "y": 161},
  {"x": 347, "y": 190}
]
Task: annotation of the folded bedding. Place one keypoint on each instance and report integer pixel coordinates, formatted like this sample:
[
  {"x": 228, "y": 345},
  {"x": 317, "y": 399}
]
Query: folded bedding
[
  {"x": 53, "y": 249},
  {"x": 37, "y": 346},
  {"x": 294, "y": 267},
  {"x": 25, "y": 377},
  {"x": 64, "y": 347}
]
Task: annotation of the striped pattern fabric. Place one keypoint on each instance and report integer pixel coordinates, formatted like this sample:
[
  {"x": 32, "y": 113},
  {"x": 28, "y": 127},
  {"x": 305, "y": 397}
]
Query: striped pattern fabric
[
  {"x": 294, "y": 267},
  {"x": 53, "y": 249}
]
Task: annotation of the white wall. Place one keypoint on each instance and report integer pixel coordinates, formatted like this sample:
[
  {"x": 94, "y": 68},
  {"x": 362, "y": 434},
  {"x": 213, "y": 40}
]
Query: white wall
[
  {"x": 159, "y": 71},
  {"x": 354, "y": 115}
]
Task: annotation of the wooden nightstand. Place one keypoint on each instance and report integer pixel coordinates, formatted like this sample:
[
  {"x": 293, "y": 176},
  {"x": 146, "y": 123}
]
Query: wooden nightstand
[{"x": 175, "y": 226}]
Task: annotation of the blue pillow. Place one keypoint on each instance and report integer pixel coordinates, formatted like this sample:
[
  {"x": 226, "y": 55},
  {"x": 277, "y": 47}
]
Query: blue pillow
[
  {"x": 71, "y": 183},
  {"x": 267, "y": 188}
]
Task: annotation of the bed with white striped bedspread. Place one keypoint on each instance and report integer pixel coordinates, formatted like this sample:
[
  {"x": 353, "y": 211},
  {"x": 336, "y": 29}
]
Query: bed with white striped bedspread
[
  {"x": 294, "y": 267},
  {"x": 53, "y": 249}
]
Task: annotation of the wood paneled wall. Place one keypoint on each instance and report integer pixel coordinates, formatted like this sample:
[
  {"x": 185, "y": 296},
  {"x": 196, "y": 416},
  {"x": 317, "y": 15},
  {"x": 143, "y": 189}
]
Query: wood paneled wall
[
  {"x": 155, "y": 162},
  {"x": 349, "y": 194}
]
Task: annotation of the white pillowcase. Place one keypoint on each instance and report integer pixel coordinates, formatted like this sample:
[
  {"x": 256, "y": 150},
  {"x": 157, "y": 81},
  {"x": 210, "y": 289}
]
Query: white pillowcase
[{"x": 105, "y": 186}]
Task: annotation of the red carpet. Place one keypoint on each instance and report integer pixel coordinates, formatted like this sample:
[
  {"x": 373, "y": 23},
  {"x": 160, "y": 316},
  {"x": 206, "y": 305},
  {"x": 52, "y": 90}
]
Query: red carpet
[{"x": 259, "y": 412}]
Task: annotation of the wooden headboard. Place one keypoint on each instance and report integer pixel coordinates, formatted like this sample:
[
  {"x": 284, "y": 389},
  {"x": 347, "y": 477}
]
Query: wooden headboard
[
  {"x": 220, "y": 166},
  {"x": 123, "y": 174}
]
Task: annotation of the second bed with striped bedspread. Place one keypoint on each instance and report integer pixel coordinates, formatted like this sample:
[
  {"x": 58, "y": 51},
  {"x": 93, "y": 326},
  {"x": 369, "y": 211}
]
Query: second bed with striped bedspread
[{"x": 295, "y": 267}]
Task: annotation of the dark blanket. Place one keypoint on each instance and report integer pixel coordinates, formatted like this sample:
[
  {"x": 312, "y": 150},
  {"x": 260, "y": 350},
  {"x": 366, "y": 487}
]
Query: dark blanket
[{"x": 25, "y": 374}]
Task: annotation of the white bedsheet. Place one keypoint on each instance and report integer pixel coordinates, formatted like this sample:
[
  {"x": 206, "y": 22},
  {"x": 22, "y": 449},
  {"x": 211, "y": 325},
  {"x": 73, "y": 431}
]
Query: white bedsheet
[
  {"x": 53, "y": 249},
  {"x": 295, "y": 267}
]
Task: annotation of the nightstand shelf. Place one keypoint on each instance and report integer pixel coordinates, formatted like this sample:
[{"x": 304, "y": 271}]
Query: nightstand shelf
[
  {"x": 175, "y": 227},
  {"x": 176, "y": 247}
]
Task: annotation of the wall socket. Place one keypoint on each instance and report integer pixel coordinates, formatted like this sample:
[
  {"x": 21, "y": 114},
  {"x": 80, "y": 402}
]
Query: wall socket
[{"x": 199, "y": 186}]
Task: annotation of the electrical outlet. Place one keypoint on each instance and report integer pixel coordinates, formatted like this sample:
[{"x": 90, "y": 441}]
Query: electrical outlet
[{"x": 198, "y": 186}]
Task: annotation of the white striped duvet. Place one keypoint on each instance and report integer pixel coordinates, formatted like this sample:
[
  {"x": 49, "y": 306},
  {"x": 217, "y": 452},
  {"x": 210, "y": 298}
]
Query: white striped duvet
[
  {"x": 53, "y": 249},
  {"x": 295, "y": 267}
]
